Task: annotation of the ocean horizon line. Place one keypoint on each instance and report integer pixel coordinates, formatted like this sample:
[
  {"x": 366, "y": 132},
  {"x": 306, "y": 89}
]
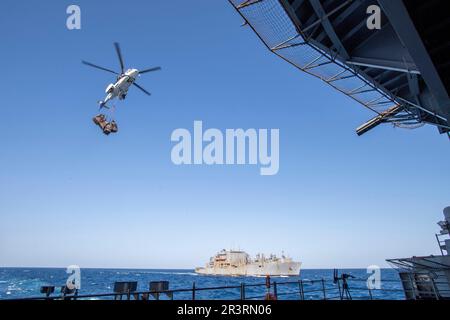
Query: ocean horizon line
[{"x": 170, "y": 269}]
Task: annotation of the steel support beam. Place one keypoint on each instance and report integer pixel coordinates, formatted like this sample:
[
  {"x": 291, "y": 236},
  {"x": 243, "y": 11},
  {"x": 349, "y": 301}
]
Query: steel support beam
[
  {"x": 296, "y": 4},
  {"x": 407, "y": 33},
  {"x": 328, "y": 27},
  {"x": 341, "y": 17},
  {"x": 384, "y": 64}
]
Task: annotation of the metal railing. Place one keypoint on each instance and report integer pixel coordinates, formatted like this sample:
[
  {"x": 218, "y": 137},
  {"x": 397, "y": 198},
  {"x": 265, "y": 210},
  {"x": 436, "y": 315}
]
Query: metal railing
[{"x": 320, "y": 289}]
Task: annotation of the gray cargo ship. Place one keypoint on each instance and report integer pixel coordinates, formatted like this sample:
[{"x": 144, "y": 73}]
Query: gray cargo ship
[{"x": 239, "y": 263}]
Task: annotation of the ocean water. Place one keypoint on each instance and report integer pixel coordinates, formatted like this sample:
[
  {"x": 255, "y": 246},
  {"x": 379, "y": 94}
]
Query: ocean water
[{"x": 26, "y": 282}]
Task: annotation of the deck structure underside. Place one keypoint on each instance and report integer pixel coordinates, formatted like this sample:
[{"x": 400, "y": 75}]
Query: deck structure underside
[{"x": 400, "y": 71}]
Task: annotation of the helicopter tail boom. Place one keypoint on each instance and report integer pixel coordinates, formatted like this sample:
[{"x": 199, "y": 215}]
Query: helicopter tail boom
[{"x": 102, "y": 104}]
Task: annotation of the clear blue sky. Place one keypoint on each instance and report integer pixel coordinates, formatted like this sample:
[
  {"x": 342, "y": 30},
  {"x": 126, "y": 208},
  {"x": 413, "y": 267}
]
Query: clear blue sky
[{"x": 70, "y": 195}]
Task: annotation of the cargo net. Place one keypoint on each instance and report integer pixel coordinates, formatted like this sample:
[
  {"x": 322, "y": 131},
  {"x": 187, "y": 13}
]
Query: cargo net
[{"x": 275, "y": 28}]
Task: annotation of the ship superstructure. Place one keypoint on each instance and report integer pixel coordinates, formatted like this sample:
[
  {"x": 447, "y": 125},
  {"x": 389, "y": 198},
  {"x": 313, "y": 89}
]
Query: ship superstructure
[
  {"x": 239, "y": 263},
  {"x": 428, "y": 277}
]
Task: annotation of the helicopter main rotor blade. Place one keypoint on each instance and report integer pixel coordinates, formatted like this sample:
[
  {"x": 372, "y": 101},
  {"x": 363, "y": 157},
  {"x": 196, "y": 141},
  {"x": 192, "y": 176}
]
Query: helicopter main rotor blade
[
  {"x": 145, "y": 91},
  {"x": 119, "y": 54},
  {"x": 98, "y": 67},
  {"x": 150, "y": 70}
]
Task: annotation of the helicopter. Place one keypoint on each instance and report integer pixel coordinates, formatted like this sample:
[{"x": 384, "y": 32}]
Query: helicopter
[{"x": 125, "y": 79}]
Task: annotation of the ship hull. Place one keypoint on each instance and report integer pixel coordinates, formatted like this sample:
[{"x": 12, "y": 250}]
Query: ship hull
[{"x": 274, "y": 269}]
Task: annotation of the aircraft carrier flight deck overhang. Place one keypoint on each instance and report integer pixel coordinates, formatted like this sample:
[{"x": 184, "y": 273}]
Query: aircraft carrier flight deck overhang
[{"x": 400, "y": 71}]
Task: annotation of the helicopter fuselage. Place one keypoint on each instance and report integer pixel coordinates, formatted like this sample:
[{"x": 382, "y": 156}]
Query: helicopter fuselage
[
  {"x": 124, "y": 80},
  {"x": 119, "y": 89}
]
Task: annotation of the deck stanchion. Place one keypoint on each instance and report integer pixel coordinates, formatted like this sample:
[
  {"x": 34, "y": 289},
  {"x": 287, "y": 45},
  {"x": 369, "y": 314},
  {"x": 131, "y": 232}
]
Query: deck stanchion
[
  {"x": 323, "y": 289},
  {"x": 275, "y": 291},
  {"x": 242, "y": 291},
  {"x": 341, "y": 295},
  {"x": 193, "y": 290},
  {"x": 435, "y": 290},
  {"x": 300, "y": 288},
  {"x": 412, "y": 286}
]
